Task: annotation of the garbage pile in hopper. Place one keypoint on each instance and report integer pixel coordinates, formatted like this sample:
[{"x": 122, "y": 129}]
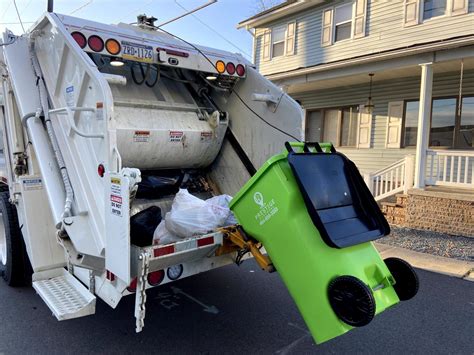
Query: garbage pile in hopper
[{"x": 191, "y": 216}]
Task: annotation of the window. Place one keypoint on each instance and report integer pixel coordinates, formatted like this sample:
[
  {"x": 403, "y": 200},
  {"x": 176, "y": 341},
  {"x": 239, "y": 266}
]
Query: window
[
  {"x": 343, "y": 22},
  {"x": 434, "y": 8},
  {"x": 447, "y": 129},
  {"x": 443, "y": 121},
  {"x": 411, "y": 123},
  {"x": 338, "y": 126},
  {"x": 466, "y": 128},
  {"x": 278, "y": 41}
]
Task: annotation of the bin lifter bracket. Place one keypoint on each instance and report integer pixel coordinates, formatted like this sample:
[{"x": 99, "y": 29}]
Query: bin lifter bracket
[{"x": 235, "y": 239}]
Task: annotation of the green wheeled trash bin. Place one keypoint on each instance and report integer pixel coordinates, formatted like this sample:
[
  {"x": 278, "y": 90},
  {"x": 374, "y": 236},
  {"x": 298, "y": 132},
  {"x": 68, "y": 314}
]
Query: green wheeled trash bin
[{"x": 316, "y": 218}]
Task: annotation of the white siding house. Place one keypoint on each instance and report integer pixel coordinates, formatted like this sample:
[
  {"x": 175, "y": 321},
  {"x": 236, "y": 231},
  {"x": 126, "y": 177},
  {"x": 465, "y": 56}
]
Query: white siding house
[{"x": 420, "y": 56}]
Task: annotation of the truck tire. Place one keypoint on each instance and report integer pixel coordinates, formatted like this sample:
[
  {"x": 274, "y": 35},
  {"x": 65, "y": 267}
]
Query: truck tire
[
  {"x": 14, "y": 263},
  {"x": 351, "y": 300},
  {"x": 406, "y": 280}
]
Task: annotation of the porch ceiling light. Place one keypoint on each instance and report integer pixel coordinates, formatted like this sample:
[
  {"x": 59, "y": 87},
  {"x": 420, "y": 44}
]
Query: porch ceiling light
[{"x": 369, "y": 105}]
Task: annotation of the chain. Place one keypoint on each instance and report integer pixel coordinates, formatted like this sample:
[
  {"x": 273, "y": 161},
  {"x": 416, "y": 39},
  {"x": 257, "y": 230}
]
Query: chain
[{"x": 140, "y": 299}]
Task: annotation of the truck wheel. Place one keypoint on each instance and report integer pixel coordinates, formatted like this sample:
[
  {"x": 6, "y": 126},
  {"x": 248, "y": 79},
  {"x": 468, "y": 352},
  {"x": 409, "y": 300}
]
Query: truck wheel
[
  {"x": 13, "y": 258},
  {"x": 351, "y": 300},
  {"x": 406, "y": 280}
]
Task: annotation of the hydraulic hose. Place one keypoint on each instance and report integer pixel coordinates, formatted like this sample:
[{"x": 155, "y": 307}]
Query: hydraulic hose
[{"x": 52, "y": 137}]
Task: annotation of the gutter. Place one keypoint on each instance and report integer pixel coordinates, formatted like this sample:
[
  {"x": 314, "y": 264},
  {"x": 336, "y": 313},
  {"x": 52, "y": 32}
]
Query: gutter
[
  {"x": 374, "y": 57},
  {"x": 278, "y": 13}
]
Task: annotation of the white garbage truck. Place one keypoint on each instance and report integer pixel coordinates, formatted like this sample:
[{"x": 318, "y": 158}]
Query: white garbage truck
[{"x": 102, "y": 123}]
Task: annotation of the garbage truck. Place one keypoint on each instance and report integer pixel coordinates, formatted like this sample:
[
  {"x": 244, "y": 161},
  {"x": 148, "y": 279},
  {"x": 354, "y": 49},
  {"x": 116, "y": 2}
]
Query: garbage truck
[{"x": 105, "y": 125}]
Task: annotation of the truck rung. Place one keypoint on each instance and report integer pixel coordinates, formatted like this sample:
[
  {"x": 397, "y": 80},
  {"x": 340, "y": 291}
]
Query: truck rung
[{"x": 65, "y": 296}]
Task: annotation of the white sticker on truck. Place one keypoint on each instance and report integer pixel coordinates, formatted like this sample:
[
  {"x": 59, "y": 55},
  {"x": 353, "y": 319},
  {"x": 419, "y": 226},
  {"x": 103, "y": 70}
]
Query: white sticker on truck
[
  {"x": 115, "y": 197},
  {"x": 32, "y": 184},
  {"x": 141, "y": 136},
  {"x": 70, "y": 99},
  {"x": 176, "y": 136}
]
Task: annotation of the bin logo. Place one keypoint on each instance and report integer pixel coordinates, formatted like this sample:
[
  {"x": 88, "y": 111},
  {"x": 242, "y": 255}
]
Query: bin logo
[
  {"x": 267, "y": 209},
  {"x": 258, "y": 198}
]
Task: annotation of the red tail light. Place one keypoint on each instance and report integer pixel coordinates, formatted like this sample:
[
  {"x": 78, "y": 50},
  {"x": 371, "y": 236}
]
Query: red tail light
[
  {"x": 240, "y": 70},
  {"x": 230, "y": 67},
  {"x": 80, "y": 39},
  {"x": 156, "y": 277},
  {"x": 133, "y": 285},
  {"x": 95, "y": 43},
  {"x": 101, "y": 170}
]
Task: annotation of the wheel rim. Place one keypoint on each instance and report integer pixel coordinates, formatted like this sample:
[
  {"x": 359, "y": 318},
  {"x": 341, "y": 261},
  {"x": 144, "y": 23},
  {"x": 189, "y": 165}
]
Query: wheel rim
[{"x": 3, "y": 243}]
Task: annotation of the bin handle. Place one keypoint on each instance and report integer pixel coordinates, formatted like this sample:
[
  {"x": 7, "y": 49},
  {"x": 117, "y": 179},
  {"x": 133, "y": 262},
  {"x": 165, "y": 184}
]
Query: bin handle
[{"x": 288, "y": 147}]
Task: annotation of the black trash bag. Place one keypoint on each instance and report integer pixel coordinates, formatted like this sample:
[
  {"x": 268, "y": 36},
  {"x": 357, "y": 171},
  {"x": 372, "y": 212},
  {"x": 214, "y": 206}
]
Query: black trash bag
[
  {"x": 143, "y": 225},
  {"x": 153, "y": 186}
]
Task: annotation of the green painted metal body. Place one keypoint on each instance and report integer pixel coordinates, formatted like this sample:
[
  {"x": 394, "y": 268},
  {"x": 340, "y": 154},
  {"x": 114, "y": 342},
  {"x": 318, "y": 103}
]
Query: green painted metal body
[{"x": 271, "y": 209}]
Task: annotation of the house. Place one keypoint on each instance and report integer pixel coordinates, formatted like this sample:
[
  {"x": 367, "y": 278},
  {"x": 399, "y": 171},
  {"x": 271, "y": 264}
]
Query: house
[{"x": 391, "y": 84}]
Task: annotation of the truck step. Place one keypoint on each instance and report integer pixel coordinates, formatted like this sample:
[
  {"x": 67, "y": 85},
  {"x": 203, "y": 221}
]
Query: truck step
[{"x": 65, "y": 296}]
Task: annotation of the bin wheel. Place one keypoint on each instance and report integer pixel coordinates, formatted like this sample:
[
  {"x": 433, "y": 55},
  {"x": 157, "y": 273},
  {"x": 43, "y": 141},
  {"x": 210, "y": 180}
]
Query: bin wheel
[
  {"x": 406, "y": 280},
  {"x": 351, "y": 300},
  {"x": 15, "y": 266}
]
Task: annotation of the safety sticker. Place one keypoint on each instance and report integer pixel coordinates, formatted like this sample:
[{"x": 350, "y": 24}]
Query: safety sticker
[
  {"x": 141, "y": 136},
  {"x": 70, "y": 99},
  {"x": 99, "y": 111},
  {"x": 115, "y": 196},
  {"x": 116, "y": 205},
  {"x": 32, "y": 184},
  {"x": 176, "y": 136},
  {"x": 206, "y": 137}
]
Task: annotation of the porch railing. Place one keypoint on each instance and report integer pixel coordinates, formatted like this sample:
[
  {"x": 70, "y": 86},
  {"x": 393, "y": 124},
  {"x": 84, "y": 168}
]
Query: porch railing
[
  {"x": 449, "y": 168},
  {"x": 395, "y": 178}
]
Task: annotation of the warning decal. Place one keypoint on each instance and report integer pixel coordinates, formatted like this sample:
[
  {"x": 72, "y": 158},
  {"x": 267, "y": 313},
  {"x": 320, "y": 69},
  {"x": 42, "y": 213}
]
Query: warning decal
[
  {"x": 206, "y": 137},
  {"x": 176, "y": 136},
  {"x": 115, "y": 197},
  {"x": 141, "y": 136}
]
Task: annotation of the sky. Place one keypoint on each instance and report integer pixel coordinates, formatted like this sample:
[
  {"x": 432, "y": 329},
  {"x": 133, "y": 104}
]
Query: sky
[{"x": 222, "y": 17}]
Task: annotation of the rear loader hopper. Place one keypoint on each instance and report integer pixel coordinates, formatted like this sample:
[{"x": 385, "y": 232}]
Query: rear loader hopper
[{"x": 109, "y": 130}]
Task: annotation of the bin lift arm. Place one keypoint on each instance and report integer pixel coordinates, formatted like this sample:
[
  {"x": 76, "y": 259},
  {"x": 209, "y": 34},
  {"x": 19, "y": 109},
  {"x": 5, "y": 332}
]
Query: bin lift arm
[{"x": 236, "y": 237}]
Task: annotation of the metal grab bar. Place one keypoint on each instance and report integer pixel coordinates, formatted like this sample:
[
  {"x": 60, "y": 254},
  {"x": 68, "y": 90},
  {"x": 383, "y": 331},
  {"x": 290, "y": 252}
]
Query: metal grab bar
[{"x": 69, "y": 111}]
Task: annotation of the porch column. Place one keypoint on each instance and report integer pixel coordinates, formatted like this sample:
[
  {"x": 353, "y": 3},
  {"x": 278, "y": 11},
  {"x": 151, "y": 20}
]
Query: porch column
[{"x": 424, "y": 115}]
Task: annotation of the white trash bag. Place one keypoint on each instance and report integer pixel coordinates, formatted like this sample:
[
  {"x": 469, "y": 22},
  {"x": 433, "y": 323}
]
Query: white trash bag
[
  {"x": 192, "y": 216},
  {"x": 163, "y": 236}
]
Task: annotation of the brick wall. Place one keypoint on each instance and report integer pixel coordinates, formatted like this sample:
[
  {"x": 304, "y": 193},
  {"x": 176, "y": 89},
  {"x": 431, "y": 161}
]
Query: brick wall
[{"x": 436, "y": 211}]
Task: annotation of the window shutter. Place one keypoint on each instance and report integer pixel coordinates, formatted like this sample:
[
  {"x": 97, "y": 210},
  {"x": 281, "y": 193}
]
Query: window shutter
[
  {"x": 412, "y": 12},
  {"x": 359, "y": 18},
  {"x": 290, "y": 38},
  {"x": 394, "y": 124},
  {"x": 326, "y": 32},
  {"x": 459, "y": 7},
  {"x": 365, "y": 128},
  {"x": 266, "y": 44}
]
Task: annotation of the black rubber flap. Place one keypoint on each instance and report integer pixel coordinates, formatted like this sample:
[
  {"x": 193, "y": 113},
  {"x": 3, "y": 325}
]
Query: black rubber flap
[{"x": 337, "y": 198}]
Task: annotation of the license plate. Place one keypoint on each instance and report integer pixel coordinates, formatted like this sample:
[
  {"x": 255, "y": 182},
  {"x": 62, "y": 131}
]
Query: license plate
[{"x": 138, "y": 52}]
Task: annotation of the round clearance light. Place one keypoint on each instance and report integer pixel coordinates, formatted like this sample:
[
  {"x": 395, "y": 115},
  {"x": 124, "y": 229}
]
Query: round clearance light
[
  {"x": 116, "y": 62},
  {"x": 133, "y": 286},
  {"x": 240, "y": 70},
  {"x": 80, "y": 39},
  {"x": 220, "y": 66},
  {"x": 101, "y": 170},
  {"x": 156, "y": 277},
  {"x": 112, "y": 46},
  {"x": 175, "y": 272},
  {"x": 230, "y": 67},
  {"x": 95, "y": 43}
]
